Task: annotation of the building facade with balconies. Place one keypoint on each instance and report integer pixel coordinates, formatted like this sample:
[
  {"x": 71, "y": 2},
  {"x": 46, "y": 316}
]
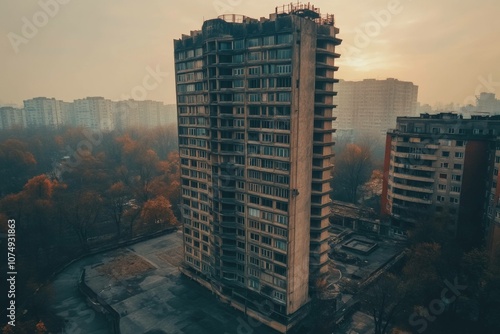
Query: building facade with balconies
[
  {"x": 255, "y": 100},
  {"x": 442, "y": 163}
]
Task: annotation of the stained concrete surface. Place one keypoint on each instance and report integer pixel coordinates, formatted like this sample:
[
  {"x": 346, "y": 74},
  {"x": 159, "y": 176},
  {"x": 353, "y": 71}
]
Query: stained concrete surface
[{"x": 159, "y": 300}]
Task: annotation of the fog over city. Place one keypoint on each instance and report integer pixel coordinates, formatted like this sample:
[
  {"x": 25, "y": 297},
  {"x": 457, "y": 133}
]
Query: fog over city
[
  {"x": 243, "y": 167},
  {"x": 104, "y": 48}
]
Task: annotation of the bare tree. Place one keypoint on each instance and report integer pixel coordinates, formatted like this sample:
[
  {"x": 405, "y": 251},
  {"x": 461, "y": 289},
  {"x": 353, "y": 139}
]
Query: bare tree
[
  {"x": 384, "y": 301},
  {"x": 353, "y": 167}
]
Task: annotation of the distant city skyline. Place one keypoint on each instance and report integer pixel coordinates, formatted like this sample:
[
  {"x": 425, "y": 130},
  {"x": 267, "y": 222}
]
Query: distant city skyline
[{"x": 68, "y": 49}]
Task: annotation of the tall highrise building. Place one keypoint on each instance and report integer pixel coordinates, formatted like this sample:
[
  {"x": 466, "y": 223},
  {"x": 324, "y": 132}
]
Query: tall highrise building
[
  {"x": 370, "y": 107},
  {"x": 255, "y": 100}
]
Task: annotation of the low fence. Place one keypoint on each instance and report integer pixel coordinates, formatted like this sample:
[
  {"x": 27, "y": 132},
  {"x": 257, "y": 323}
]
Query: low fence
[{"x": 99, "y": 305}]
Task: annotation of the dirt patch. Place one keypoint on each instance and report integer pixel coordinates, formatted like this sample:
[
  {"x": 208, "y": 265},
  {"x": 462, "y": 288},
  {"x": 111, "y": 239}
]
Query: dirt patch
[{"x": 125, "y": 266}]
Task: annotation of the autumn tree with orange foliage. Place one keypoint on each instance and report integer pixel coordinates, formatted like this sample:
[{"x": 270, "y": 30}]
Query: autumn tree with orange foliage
[{"x": 158, "y": 211}]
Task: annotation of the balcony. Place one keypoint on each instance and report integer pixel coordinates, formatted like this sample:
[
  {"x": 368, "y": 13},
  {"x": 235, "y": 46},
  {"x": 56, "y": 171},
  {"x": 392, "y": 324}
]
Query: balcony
[
  {"x": 414, "y": 167},
  {"x": 415, "y": 156},
  {"x": 412, "y": 199},
  {"x": 413, "y": 177},
  {"x": 427, "y": 190}
]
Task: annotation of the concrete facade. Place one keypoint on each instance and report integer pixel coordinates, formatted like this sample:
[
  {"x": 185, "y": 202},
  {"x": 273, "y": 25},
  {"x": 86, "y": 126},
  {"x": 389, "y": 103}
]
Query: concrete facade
[
  {"x": 255, "y": 100},
  {"x": 11, "y": 118},
  {"x": 444, "y": 163},
  {"x": 42, "y": 111},
  {"x": 370, "y": 107}
]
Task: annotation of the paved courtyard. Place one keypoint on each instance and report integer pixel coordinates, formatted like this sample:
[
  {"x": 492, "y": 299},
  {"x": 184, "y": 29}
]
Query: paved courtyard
[{"x": 142, "y": 283}]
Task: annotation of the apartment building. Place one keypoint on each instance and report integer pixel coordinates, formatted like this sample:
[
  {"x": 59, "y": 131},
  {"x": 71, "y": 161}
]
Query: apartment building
[
  {"x": 96, "y": 113},
  {"x": 11, "y": 118},
  {"x": 369, "y": 108},
  {"x": 443, "y": 163},
  {"x": 255, "y": 100},
  {"x": 44, "y": 112},
  {"x": 146, "y": 114}
]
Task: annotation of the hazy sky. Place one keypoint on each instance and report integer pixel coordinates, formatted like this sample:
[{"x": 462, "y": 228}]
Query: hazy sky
[{"x": 450, "y": 49}]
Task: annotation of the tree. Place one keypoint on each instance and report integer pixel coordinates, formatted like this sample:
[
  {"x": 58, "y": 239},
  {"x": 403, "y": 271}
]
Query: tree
[
  {"x": 353, "y": 167},
  {"x": 116, "y": 200},
  {"x": 40, "y": 328},
  {"x": 16, "y": 164},
  {"x": 81, "y": 211},
  {"x": 158, "y": 211},
  {"x": 384, "y": 300}
]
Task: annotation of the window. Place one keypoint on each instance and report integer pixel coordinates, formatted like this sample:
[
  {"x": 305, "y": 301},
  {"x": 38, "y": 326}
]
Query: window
[
  {"x": 280, "y": 244},
  {"x": 280, "y": 270},
  {"x": 268, "y": 40},
  {"x": 266, "y": 240},
  {"x": 284, "y": 39},
  {"x": 459, "y": 155},
  {"x": 254, "y": 70},
  {"x": 455, "y": 177},
  {"x": 254, "y": 212},
  {"x": 440, "y": 198},
  {"x": 443, "y": 176},
  {"x": 284, "y": 54},
  {"x": 254, "y": 83},
  {"x": 454, "y": 200},
  {"x": 282, "y": 152},
  {"x": 442, "y": 187},
  {"x": 444, "y": 165},
  {"x": 238, "y": 71},
  {"x": 283, "y": 69},
  {"x": 284, "y": 82},
  {"x": 267, "y": 253},
  {"x": 267, "y": 137},
  {"x": 283, "y": 97},
  {"x": 457, "y": 166},
  {"x": 460, "y": 143},
  {"x": 252, "y": 42},
  {"x": 238, "y": 83},
  {"x": 254, "y": 56},
  {"x": 253, "y": 284},
  {"x": 238, "y": 59},
  {"x": 280, "y": 257},
  {"x": 254, "y": 249},
  {"x": 455, "y": 189},
  {"x": 239, "y": 44},
  {"x": 279, "y": 295},
  {"x": 445, "y": 153}
]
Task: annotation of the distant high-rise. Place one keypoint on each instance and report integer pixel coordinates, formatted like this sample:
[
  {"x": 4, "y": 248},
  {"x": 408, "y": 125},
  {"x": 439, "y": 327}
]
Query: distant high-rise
[
  {"x": 96, "y": 113},
  {"x": 255, "y": 100},
  {"x": 44, "y": 112},
  {"x": 11, "y": 118},
  {"x": 370, "y": 107},
  {"x": 147, "y": 114},
  {"x": 487, "y": 104}
]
